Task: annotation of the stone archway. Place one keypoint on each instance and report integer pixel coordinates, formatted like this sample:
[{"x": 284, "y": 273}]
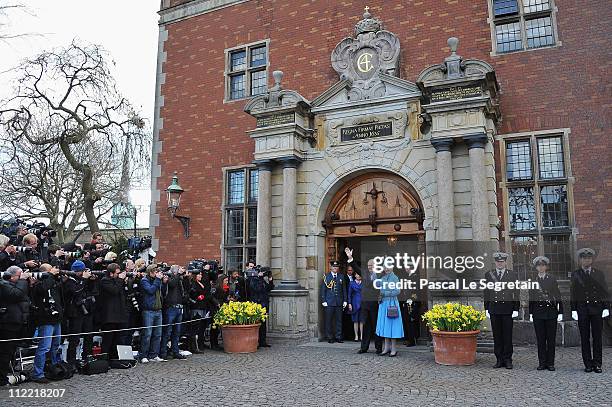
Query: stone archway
[{"x": 376, "y": 203}]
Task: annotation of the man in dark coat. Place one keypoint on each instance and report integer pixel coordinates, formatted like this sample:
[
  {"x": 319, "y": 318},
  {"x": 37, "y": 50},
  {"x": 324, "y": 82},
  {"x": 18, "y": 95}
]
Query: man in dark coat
[
  {"x": 173, "y": 296},
  {"x": 259, "y": 287},
  {"x": 113, "y": 308},
  {"x": 47, "y": 302},
  {"x": 590, "y": 301},
  {"x": 501, "y": 306},
  {"x": 369, "y": 304},
  {"x": 79, "y": 295},
  {"x": 334, "y": 299},
  {"x": 13, "y": 318}
]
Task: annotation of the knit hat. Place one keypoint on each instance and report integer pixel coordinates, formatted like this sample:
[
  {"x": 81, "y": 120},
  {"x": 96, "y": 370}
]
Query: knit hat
[{"x": 78, "y": 265}]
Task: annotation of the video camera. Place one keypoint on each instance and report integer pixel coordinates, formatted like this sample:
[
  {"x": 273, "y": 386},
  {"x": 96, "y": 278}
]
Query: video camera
[{"x": 254, "y": 272}]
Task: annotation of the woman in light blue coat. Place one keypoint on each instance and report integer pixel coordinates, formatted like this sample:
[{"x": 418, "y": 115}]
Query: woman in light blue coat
[{"x": 389, "y": 324}]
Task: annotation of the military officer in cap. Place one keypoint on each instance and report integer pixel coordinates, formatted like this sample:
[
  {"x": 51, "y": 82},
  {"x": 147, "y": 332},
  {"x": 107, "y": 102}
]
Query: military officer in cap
[
  {"x": 589, "y": 297},
  {"x": 501, "y": 307},
  {"x": 545, "y": 310},
  {"x": 334, "y": 300}
]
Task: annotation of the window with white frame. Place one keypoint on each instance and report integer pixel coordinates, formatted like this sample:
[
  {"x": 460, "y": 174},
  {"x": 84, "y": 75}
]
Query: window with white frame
[
  {"x": 537, "y": 200},
  {"x": 246, "y": 71},
  {"x": 240, "y": 232},
  {"x": 522, "y": 24}
]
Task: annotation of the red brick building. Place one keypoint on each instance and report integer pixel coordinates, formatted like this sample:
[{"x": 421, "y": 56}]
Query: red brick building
[{"x": 546, "y": 161}]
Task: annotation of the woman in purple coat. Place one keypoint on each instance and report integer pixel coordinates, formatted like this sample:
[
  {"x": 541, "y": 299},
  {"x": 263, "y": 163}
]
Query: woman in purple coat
[{"x": 354, "y": 300}]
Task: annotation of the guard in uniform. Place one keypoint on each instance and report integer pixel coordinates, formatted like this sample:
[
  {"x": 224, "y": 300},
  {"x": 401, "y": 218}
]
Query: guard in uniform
[
  {"x": 501, "y": 307},
  {"x": 334, "y": 300},
  {"x": 545, "y": 310},
  {"x": 589, "y": 297}
]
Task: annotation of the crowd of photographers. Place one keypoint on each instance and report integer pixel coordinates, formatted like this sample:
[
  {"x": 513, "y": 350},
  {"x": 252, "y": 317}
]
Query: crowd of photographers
[{"x": 72, "y": 293}]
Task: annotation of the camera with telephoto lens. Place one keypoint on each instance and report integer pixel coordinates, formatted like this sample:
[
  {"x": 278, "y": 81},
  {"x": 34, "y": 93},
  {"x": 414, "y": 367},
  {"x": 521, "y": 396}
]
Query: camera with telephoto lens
[{"x": 24, "y": 249}]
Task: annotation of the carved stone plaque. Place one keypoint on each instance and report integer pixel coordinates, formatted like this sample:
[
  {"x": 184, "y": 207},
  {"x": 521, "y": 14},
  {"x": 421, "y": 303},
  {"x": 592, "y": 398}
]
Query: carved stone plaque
[
  {"x": 276, "y": 119},
  {"x": 366, "y": 131},
  {"x": 455, "y": 93}
]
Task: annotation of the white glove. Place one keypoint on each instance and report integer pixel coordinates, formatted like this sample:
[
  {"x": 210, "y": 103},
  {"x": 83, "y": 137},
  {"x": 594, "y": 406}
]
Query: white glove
[
  {"x": 605, "y": 313},
  {"x": 325, "y": 304},
  {"x": 344, "y": 304},
  {"x": 488, "y": 316},
  {"x": 559, "y": 317},
  {"x": 575, "y": 315},
  {"x": 530, "y": 318},
  {"x": 514, "y": 314}
]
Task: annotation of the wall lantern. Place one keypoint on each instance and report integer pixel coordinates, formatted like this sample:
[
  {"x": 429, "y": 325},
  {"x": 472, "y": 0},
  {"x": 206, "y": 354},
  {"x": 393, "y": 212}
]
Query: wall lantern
[{"x": 174, "y": 192}]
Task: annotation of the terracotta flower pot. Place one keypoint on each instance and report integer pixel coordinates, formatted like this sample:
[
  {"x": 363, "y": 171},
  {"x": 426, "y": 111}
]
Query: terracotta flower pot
[
  {"x": 455, "y": 348},
  {"x": 240, "y": 338}
]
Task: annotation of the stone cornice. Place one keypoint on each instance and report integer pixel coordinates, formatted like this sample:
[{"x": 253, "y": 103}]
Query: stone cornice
[{"x": 193, "y": 8}]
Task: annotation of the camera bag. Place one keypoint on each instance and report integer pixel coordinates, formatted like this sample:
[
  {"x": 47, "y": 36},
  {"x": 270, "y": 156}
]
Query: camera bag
[
  {"x": 97, "y": 366},
  {"x": 59, "y": 371}
]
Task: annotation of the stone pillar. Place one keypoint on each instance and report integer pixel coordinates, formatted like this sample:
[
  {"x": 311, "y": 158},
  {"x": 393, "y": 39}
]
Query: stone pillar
[
  {"x": 446, "y": 205},
  {"x": 480, "y": 209},
  {"x": 264, "y": 212},
  {"x": 289, "y": 238}
]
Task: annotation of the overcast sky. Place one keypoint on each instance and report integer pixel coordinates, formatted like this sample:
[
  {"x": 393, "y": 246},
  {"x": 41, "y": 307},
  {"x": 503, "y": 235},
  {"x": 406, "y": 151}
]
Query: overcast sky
[{"x": 127, "y": 29}]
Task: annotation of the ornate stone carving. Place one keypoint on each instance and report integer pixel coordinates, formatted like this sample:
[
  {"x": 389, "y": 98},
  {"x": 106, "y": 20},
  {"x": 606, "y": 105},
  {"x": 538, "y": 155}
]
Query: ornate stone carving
[
  {"x": 360, "y": 60},
  {"x": 276, "y": 98}
]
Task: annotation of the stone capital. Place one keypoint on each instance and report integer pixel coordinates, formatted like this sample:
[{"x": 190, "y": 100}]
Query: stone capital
[
  {"x": 478, "y": 140},
  {"x": 264, "y": 165},
  {"x": 442, "y": 144},
  {"x": 289, "y": 162}
]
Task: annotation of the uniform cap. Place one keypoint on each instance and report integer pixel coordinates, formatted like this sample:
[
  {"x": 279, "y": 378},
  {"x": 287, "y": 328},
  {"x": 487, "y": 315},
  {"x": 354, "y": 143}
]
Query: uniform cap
[
  {"x": 586, "y": 252},
  {"x": 541, "y": 259}
]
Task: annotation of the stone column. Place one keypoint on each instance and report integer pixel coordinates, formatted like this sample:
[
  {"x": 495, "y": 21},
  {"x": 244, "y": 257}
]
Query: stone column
[
  {"x": 446, "y": 205},
  {"x": 289, "y": 238},
  {"x": 480, "y": 209},
  {"x": 264, "y": 212}
]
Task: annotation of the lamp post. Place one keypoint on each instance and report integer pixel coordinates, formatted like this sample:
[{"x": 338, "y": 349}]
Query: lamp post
[{"x": 174, "y": 192}]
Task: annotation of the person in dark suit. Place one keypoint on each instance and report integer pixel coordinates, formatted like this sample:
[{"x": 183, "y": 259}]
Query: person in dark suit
[
  {"x": 501, "y": 307},
  {"x": 545, "y": 310},
  {"x": 369, "y": 304},
  {"x": 411, "y": 317},
  {"x": 589, "y": 297},
  {"x": 347, "y": 315},
  {"x": 334, "y": 299}
]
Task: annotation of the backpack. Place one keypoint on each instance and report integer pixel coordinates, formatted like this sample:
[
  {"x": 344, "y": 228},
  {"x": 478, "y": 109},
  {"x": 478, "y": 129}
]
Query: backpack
[{"x": 59, "y": 371}]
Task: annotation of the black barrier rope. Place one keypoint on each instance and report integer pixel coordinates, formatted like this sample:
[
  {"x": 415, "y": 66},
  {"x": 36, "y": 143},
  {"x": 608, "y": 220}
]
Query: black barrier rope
[{"x": 102, "y": 332}]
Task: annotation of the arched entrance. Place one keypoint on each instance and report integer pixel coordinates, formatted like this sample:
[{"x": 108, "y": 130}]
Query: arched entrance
[
  {"x": 376, "y": 214},
  {"x": 377, "y": 205}
]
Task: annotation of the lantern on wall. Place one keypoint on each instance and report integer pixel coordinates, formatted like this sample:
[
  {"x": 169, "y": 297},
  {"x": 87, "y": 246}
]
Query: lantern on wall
[{"x": 174, "y": 192}]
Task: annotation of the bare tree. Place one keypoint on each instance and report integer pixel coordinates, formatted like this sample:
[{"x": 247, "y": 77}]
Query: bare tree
[
  {"x": 71, "y": 92},
  {"x": 9, "y": 9}
]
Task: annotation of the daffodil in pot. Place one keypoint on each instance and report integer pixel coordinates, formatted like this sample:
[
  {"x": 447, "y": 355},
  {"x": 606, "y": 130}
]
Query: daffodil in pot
[
  {"x": 454, "y": 329},
  {"x": 239, "y": 323}
]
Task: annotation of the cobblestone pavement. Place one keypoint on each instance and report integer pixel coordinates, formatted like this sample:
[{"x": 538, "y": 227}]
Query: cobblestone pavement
[{"x": 325, "y": 375}]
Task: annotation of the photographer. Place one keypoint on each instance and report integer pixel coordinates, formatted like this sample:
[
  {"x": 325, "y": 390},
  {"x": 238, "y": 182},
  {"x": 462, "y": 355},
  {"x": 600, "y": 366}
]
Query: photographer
[
  {"x": 150, "y": 336},
  {"x": 200, "y": 300},
  {"x": 28, "y": 258},
  {"x": 7, "y": 257},
  {"x": 133, "y": 301},
  {"x": 259, "y": 283},
  {"x": 13, "y": 315},
  {"x": 80, "y": 298},
  {"x": 237, "y": 286},
  {"x": 113, "y": 309},
  {"x": 220, "y": 294},
  {"x": 172, "y": 293},
  {"x": 47, "y": 314}
]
